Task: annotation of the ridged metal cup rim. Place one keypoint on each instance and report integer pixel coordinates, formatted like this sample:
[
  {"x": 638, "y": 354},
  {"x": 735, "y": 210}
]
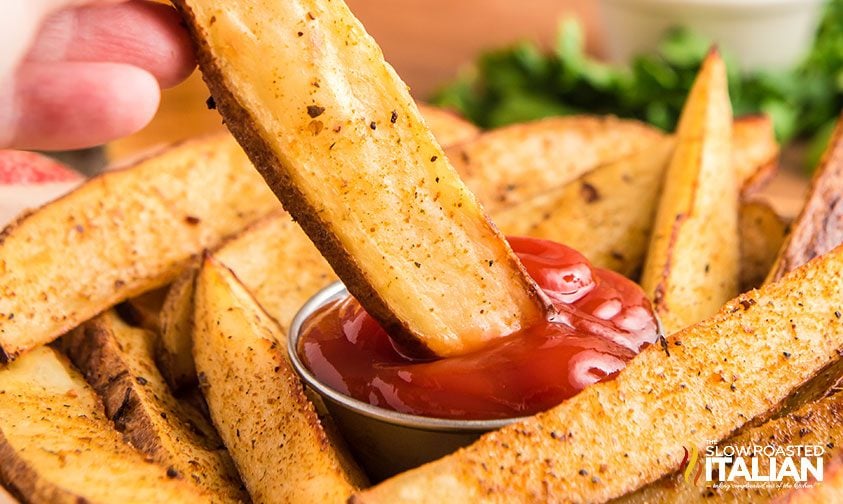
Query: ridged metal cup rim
[{"x": 337, "y": 291}]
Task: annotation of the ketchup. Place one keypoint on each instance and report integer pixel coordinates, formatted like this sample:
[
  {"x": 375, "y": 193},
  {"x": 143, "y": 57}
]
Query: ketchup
[{"x": 603, "y": 321}]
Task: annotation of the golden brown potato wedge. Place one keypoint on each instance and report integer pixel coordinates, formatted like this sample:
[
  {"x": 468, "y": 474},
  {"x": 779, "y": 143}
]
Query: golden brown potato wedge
[
  {"x": 819, "y": 227},
  {"x": 692, "y": 263},
  {"x": 816, "y": 423},
  {"x": 276, "y": 262},
  {"x": 119, "y": 235},
  {"x": 174, "y": 353},
  {"x": 256, "y": 401},
  {"x": 606, "y": 214},
  {"x": 118, "y": 361},
  {"x": 762, "y": 233},
  {"x": 507, "y": 166},
  {"x": 344, "y": 147},
  {"x": 616, "y": 436},
  {"x": 57, "y": 446},
  {"x": 448, "y": 127}
]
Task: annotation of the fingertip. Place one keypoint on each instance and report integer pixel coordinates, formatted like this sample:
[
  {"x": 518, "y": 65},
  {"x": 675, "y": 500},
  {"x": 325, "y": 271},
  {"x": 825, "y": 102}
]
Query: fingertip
[{"x": 62, "y": 106}]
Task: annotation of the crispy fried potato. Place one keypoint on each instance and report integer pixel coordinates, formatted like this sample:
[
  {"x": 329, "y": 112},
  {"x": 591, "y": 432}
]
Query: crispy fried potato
[
  {"x": 174, "y": 352},
  {"x": 276, "y": 262},
  {"x": 819, "y": 227},
  {"x": 344, "y": 147},
  {"x": 508, "y": 166},
  {"x": 448, "y": 127},
  {"x": 121, "y": 234},
  {"x": 256, "y": 401},
  {"x": 616, "y": 436},
  {"x": 762, "y": 233},
  {"x": 56, "y": 445},
  {"x": 606, "y": 214},
  {"x": 118, "y": 361},
  {"x": 816, "y": 423},
  {"x": 692, "y": 263}
]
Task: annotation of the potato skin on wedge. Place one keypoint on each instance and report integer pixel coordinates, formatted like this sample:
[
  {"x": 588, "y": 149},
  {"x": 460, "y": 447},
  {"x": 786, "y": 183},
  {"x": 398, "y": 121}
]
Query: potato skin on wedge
[
  {"x": 344, "y": 147},
  {"x": 174, "y": 352},
  {"x": 57, "y": 446},
  {"x": 258, "y": 404},
  {"x": 762, "y": 233},
  {"x": 819, "y": 226},
  {"x": 617, "y": 436},
  {"x": 692, "y": 263},
  {"x": 118, "y": 361},
  {"x": 121, "y": 234}
]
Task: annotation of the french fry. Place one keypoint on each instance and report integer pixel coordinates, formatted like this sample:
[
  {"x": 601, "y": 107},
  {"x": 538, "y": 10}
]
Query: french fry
[
  {"x": 121, "y": 234},
  {"x": 819, "y": 227},
  {"x": 118, "y": 361},
  {"x": 762, "y": 233},
  {"x": 174, "y": 352},
  {"x": 257, "y": 402},
  {"x": 691, "y": 267},
  {"x": 616, "y": 436},
  {"x": 447, "y": 127},
  {"x": 56, "y": 445},
  {"x": 509, "y": 165},
  {"x": 343, "y": 145}
]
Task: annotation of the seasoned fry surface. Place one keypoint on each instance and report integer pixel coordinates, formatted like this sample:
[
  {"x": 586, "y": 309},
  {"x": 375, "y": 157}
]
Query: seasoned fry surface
[
  {"x": 56, "y": 445},
  {"x": 617, "y": 436},
  {"x": 118, "y": 361},
  {"x": 692, "y": 263},
  {"x": 257, "y": 402},
  {"x": 121, "y": 234},
  {"x": 344, "y": 147}
]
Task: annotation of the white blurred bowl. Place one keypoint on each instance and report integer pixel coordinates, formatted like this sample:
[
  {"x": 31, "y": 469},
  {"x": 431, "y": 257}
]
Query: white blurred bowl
[{"x": 760, "y": 34}]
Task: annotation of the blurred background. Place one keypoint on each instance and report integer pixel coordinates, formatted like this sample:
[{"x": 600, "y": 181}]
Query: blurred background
[{"x": 503, "y": 61}]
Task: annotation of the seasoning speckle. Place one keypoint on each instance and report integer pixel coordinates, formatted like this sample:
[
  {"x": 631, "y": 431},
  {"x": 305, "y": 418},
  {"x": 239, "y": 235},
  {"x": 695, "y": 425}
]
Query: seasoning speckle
[
  {"x": 433, "y": 159},
  {"x": 315, "y": 111},
  {"x": 393, "y": 117},
  {"x": 211, "y": 103},
  {"x": 373, "y": 125}
]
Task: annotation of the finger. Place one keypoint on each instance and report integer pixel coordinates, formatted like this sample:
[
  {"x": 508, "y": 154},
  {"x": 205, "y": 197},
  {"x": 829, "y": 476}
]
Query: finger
[
  {"x": 71, "y": 105},
  {"x": 141, "y": 33}
]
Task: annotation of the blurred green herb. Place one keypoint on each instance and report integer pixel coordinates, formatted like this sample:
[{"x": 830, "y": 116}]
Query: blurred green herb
[{"x": 521, "y": 83}]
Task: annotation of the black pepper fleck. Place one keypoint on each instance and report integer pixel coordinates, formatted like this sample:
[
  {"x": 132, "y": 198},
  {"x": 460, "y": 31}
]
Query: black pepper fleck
[
  {"x": 433, "y": 158},
  {"x": 211, "y": 103},
  {"x": 786, "y": 355},
  {"x": 315, "y": 111},
  {"x": 141, "y": 380},
  {"x": 393, "y": 117},
  {"x": 172, "y": 473}
]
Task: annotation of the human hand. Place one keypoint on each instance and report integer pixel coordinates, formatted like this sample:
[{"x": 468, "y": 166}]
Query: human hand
[{"x": 78, "y": 73}]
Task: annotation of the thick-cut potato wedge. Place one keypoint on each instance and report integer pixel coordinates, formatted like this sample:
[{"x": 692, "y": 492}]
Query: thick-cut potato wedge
[
  {"x": 816, "y": 423},
  {"x": 56, "y": 445},
  {"x": 819, "y": 227},
  {"x": 762, "y": 233},
  {"x": 121, "y": 234},
  {"x": 692, "y": 263},
  {"x": 118, "y": 361},
  {"x": 257, "y": 402},
  {"x": 509, "y": 165},
  {"x": 276, "y": 262},
  {"x": 606, "y": 214},
  {"x": 447, "y": 127},
  {"x": 174, "y": 353},
  {"x": 343, "y": 145},
  {"x": 616, "y": 436}
]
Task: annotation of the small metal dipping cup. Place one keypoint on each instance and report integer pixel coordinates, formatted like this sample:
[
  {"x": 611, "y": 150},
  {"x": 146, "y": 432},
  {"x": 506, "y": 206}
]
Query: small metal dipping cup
[{"x": 384, "y": 442}]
